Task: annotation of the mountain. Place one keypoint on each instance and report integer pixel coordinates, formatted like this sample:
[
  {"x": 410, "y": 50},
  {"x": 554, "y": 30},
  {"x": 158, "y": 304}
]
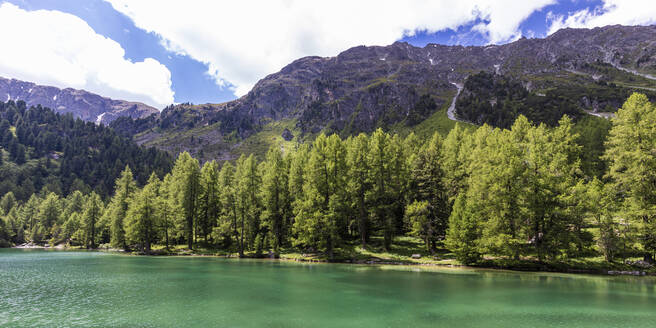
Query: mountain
[
  {"x": 82, "y": 104},
  {"x": 42, "y": 149},
  {"x": 402, "y": 88}
]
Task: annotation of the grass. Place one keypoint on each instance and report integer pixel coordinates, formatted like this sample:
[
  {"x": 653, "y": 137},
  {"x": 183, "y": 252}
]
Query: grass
[
  {"x": 402, "y": 251},
  {"x": 270, "y": 135},
  {"x": 437, "y": 122}
]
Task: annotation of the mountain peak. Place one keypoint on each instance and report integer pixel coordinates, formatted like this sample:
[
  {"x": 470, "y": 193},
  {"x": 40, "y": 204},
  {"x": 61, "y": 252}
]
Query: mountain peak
[{"x": 82, "y": 104}]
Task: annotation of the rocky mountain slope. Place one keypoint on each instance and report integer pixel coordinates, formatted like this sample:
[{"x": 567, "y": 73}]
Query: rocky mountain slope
[
  {"x": 82, "y": 104},
  {"x": 399, "y": 87}
]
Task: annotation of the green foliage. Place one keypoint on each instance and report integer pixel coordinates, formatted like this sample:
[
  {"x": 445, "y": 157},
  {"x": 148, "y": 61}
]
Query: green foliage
[
  {"x": 43, "y": 150},
  {"x": 276, "y": 202},
  {"x": 632, "y": 167},
  {"x": 93, "y": 210},
  {"x": 142, "y": 214},
  {"x": 185, "y": 188},
  {"x": 488, "y": 196},
  {"x": 124, "y": 190},
  {"x": 498, "y": 100}
]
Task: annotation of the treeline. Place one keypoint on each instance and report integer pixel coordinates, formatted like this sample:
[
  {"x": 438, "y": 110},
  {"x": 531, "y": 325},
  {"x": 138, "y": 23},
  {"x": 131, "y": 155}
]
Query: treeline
[
  {"x": 498, "y": 100},
  {"x": 41, "y": 149},
  {"x": 514, "y": 193}
]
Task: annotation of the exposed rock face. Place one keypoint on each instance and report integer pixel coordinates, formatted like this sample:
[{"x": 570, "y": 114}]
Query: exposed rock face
[
  {"x": 364, "y": 88},
  {"x": 82, "y": 104},
  {"x": 287, "y": 135}
]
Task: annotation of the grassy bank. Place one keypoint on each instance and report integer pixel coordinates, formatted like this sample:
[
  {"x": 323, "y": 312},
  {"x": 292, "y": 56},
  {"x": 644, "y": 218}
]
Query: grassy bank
[{"x": 410, "y": 251}]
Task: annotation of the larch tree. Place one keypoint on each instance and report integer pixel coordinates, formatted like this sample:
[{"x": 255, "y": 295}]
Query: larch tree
[
  {"x": 124, "y": 189},
  {"x": 141, "y": 220},
  {"x": 185, "y": 187},
  {"x": 275, "y": 197},
  {"x": 380, "y": 196},
  {"x": 429, "y": 193},
  {"x": 358, "y": 183},
  {"x": 632, "y": 167},
  {"x": 228, "y": 208},
  {"x": 247, "y": 180},
  {"x": 93, "y": 211},
  {"x": 209, "y": 204}
]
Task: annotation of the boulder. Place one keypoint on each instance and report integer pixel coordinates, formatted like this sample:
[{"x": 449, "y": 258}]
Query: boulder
[{"x": 287, "y": 135}]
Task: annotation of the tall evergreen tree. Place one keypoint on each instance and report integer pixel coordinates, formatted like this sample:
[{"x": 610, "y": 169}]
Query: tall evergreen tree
[
  {"x": 228, "y": 208},
  {"x": 141, "y": 222},
  {"x": 124, "y": 190},
  {"x": 185, "y": 187},
  {"x": 430, "y": 194},
  {"x": 248, "y": 181},
  {"x": 380, "y": 196},
  {"x": 93, "y": 211},
  {"x": 209, "y": 199},
  {"x": 275, "y": 197},
  {"x": 358, "y": 183},
  {"x": 632, "y": 168}
]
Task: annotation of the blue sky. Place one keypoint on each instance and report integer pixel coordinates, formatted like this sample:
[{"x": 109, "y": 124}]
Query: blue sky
[{"x": 217, "y": 57}]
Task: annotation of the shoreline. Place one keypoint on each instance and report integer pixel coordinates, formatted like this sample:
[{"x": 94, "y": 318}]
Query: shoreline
[{"x": 524, "y": 266}]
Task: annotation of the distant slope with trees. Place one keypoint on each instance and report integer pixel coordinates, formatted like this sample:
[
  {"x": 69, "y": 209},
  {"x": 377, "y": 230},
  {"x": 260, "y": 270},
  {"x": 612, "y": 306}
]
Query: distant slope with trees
[{"x": 517, "y": 194}]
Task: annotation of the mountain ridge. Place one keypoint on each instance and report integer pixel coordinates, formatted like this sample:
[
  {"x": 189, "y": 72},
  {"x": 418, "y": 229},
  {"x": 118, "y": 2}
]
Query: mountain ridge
[
  {"x": 81, "y": 103},
  {"x": 396, "y": 86}
]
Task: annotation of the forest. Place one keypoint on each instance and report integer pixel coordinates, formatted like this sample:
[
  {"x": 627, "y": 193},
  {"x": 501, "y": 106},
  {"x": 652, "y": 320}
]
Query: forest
[
  {"x": 499, "y": 99},
  {"x": 45, "y": 151},
  {"x": 522, "y": 192}
]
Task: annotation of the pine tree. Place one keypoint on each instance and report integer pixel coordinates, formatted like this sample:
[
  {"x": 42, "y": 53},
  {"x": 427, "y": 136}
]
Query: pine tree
[
  {"x": 7, "y": 202},
  {"x": 428, "y": 179},
  {"x": 321, "y": 211},
  {"x": 49, "y": 212},
  {"x": 228, "y": 207},
  {"x": 166, "y": 210},
  {"x": 380, "y": 197},
  {"x": 124, "y": 190},
  {"x": 275, "y": 197},
  {"x": 456, "y": 151},
  {"x": 185, "y": 187},
  {"x": 209, "y": 199},
  {"x": 247, "y": 202},
  {"x": 93, "y": 211},
  {"x": 358, "y": 183},
  {"x": 141, "y": 220},
  {"x": 464, "y": 233},
  {"x": 632, "y": 168}
]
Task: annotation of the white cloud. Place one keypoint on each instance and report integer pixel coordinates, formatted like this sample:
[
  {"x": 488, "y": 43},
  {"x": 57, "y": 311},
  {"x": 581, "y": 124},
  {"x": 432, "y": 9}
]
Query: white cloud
[
  {"x": 54, "y": 48},
  {"x": 625, "y": 12},
  {"x": 242, "y": 41}
]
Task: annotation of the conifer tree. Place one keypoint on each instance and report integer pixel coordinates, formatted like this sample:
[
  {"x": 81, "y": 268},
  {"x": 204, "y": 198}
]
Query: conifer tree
[
  {"x": 358, "y": 183},
  {"x": 141, "y": 220},
  {"x": 93, "y": 211},
  {"x": 166, "y": 210},
  {"x": 124, "y": 189},
  {"x": 380, "y": 197},
  {"x": 275, "y": 197},
  {"x": 228, "y": 208},
  {"x": 632, "y": 167},
  {"x": 185, "y": 187},
  {"x": 247, "y": 181},
  {"x": 209, "y": 199},
  {"x": 321, "y": 211}
]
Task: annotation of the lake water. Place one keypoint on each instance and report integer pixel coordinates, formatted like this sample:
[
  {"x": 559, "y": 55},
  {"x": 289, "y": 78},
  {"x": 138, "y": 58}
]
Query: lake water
[{"x": 40, "y": 288}]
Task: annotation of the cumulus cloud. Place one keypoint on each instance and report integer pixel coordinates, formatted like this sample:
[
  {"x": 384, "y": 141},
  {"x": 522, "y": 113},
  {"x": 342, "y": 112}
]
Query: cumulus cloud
[
  {"x": 242, "y": 41},
  {"x": 625, "y": 12},
  {"x": 59, "y": 49}
]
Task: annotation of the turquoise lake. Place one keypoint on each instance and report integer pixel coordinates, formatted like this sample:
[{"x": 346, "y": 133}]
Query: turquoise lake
[{"x": 45, "y": 288}]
